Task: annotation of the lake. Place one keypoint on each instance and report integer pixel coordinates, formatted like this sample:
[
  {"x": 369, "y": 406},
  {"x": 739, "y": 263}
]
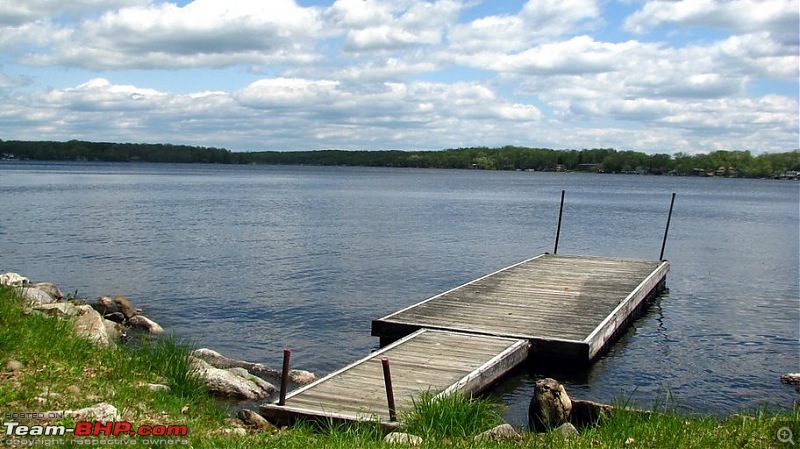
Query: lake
[{"x": 248, "y": 260}]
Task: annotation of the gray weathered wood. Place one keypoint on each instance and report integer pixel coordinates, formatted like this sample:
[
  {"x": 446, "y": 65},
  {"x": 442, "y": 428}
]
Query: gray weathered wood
[
  {"x": 427, "y": 360},
  {"x": 568, "y": 307}
]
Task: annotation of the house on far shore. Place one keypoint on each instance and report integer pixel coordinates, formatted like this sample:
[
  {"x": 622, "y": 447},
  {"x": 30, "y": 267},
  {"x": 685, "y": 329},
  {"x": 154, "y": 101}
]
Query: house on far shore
[{"x": 7, "y": 157}]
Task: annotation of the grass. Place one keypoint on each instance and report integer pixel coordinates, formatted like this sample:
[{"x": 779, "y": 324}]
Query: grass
[
  {"x": 451, "y": 416},
  {"x": 78, "y": 374}
]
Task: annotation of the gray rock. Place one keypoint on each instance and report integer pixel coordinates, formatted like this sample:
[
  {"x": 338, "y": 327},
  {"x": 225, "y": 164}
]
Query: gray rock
[
  {"x": 59, "y": 309},
  {"x": 263, "y": 384},
  {"x": 144, "y": 323},
  {"x": 14, "y": 279},
  {"x": 125, "y": 307},
  {"x": 49, "y": 288},
  {"x": 89, "y": 324},
  {"x": 791, "y": 378},
  {"x": 218, "y": 360},
  {"x": 116, "y": 317},
  {"x": 254, "y": 420},
  {"x": 499, "y": 433},
  {"x": 402, "y": 439},
  {"x": 224, "y": 383},
  {"x": 567, "y": 430},
  {"x": 114, "y": 330},
  {"x": 35, "y": 296},
  {"x": 587, "y": 413},
  {"x": 105, "y": 306},
  {"x": 14, "y": 365},
  {"x": 103, "y": 412},
  {"x": 550, "y": 406},
  {"x": 157, "y": 387}
]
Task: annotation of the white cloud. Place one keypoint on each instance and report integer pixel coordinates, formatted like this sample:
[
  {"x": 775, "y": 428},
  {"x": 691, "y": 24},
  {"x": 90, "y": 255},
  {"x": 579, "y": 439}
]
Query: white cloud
[
  {"x": 204, "y": 33},
  {"x": 778, "y": 17},
  {"x": 372, "y": 25},
  {"x": 19, "y": 12}
]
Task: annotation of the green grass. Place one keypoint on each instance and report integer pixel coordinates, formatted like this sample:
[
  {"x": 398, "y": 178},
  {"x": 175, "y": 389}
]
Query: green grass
[
  {"x": 82, "y": 374},
  {"x": 450, "y": 416}
]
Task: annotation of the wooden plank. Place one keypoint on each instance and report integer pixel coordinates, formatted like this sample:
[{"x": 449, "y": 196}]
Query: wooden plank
[{"x": 427, "y": 360}]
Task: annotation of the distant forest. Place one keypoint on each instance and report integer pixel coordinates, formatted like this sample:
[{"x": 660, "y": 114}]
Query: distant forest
[{"x": 600, "y": 160}]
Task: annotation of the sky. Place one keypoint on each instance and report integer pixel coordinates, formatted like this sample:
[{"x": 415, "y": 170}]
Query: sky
[{"x": 251, "y": 75}]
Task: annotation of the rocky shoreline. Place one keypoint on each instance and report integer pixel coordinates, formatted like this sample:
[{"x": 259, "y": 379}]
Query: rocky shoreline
[{"x": 108, "y": 321}]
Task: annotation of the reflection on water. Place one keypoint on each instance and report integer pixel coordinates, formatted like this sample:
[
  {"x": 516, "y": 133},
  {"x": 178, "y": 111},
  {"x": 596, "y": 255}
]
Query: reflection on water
[{"x": 249, "y": 260}]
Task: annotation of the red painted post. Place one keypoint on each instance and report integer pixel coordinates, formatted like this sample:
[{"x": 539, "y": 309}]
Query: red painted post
[
  {"x": 287, "y": 355},
  {"x": 387, "y": 380}
]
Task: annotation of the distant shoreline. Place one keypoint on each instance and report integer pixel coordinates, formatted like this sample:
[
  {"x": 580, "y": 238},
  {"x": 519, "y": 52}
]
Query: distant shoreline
[{"x": 728, "y": 164}]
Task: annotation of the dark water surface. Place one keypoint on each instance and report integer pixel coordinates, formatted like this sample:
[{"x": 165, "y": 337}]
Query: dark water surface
[{"x": 249, "y": 260}]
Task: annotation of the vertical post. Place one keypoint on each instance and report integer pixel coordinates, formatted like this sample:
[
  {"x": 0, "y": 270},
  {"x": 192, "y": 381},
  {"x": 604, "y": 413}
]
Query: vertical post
[
  {"x": 558, "y": 229},
  {"x": 387, "y": 380},
  {"x": 287, "y": 355},
  {"x": 666, "y": 230}
]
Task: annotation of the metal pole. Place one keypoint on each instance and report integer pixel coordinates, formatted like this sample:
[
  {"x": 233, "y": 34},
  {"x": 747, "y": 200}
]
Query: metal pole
[
  {"x": 287, "y": 355},
  {"x": 387, "y": 380},
  {"x": 666, "y": 231},
  {"x": 558, "y": 229}
]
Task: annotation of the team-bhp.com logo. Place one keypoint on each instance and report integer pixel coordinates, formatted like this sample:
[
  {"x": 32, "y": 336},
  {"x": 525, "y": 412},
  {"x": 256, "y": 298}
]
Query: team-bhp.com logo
[{"x": 16, "y": 433}]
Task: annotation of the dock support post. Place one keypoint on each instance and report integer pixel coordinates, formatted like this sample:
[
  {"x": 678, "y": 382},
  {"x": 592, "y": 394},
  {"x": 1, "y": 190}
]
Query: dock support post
[
  {"x": 387, "y": 380},
  {"x": 666, "y": 230},
  {"x": 558, "y": 229},
  {"x": 287, "y": 355}
]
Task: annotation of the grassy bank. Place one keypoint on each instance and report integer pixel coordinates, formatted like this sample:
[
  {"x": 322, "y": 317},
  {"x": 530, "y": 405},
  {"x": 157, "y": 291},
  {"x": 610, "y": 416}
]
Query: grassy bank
[{"x": 59, "y": 371}]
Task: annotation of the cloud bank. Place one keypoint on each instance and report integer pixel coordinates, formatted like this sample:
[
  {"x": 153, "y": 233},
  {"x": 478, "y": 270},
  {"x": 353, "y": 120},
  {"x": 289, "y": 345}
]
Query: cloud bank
[{"x": 654, "y": 76}]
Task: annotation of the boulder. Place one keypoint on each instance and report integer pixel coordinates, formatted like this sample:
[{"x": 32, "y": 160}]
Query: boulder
[
  {"x": 499, "y": 433},
  {"x": 142, "y": 322},
  {"x": 255, "y": 421},
  {"x": 263, "y": 384},
  {"x": 49, "y": 288},
  {"x": 218, "y": 360},
  {"x": 58, "y": 309},
  {"x": 567, "y": 430},
  {"x": 105, "y": 306},
  {"x": 550, "y": 406},
  {"x": 35, "y": 296},
  {"x": 791, "y": 378},
  {"x": 14, "y": 279},
  {"x": 224, "y": 383},
  {"x": 402, "y": 439},
  {"x": 587, "y": 413},
  {"x": 125, "y": 307},
  {"x": 114, "y": 330},
  {"x": 89, "y": 324}
]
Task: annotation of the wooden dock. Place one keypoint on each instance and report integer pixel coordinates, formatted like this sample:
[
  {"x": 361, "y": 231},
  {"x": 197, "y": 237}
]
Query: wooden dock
[
  {"x": 465, "y": 339},
  {"x": 425, "y": 361},
  {"x": 568, "y": 307}
]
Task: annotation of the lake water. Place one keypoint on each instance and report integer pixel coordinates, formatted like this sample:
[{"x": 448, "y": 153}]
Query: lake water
[{"x": 249, "y": 260}]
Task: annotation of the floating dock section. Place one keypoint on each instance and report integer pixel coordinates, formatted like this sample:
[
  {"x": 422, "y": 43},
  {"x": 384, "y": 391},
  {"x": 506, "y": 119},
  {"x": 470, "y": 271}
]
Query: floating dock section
[
  {"x": 425, "y": 361},
  {"x": 550, "y": 306},
  {"x": 568, "y": 307}
]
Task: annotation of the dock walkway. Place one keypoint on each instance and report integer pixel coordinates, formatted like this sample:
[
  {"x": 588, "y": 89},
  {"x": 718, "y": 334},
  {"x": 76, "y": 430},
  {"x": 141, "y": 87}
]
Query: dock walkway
[{"x": 427, "y": 360}]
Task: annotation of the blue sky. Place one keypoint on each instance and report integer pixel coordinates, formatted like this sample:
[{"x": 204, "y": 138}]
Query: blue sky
[{"x": 652, "y": 76}]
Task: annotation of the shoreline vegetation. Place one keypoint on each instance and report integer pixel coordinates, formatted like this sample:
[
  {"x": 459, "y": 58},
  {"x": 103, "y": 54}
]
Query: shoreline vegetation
[
  {"x": 45, "y": 366},
  {"x": 729, "y": 164}
]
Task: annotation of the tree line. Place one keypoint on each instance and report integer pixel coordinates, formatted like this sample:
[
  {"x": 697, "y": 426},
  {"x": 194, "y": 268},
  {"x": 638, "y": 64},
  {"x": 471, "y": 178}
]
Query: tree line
[{"x": 602, "y": 160}]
